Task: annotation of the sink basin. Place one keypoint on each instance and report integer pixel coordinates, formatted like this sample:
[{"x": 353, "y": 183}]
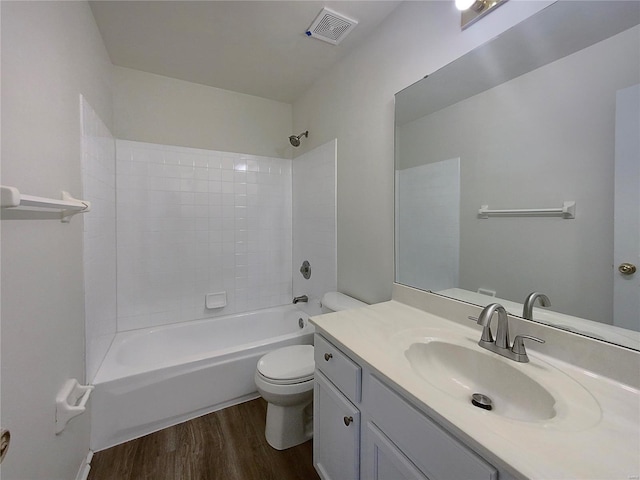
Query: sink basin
[
  {"x": 461, "y": 371},
  {"x": 538, "y": 394}
]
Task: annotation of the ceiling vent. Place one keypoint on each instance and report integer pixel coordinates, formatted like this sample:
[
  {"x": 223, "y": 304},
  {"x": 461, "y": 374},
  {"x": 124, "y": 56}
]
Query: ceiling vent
[{"x": 331, "y": 27}]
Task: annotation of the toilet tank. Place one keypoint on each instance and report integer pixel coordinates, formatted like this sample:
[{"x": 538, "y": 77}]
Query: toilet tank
[{"x": 336, "y": 301}]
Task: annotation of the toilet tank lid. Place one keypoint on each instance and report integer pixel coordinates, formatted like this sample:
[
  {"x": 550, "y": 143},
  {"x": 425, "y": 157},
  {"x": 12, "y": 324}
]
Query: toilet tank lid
[{"x": 337, "y": 301}]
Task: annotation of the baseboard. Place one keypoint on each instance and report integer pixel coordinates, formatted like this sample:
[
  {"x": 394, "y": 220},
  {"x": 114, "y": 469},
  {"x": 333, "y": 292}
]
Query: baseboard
[{"x": 85, "y": 466}]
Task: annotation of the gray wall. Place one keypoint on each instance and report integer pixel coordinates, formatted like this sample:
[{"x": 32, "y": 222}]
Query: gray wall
[
  {"x": 354, "y": 103},
  {"x": 51, "y": 52},
  {"x": 156, "y": 109}
]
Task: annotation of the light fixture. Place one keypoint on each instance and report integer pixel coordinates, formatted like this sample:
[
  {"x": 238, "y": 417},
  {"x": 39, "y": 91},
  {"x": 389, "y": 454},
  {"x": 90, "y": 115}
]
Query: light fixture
[
  {"x": 474, "y": 10},
  {"x": 477, "y": 5}
]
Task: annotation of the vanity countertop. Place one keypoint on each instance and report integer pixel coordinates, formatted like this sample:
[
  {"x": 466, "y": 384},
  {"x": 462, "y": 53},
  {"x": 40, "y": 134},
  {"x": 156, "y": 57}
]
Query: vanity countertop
[{"x": 603, "y": 442}]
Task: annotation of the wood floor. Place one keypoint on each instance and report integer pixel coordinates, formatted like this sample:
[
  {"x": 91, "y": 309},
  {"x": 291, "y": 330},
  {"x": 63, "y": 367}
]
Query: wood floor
[{"x": 224, "y": 445}]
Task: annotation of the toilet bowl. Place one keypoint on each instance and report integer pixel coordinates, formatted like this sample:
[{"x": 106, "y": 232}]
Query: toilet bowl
[{"x": 284, "y": 378}]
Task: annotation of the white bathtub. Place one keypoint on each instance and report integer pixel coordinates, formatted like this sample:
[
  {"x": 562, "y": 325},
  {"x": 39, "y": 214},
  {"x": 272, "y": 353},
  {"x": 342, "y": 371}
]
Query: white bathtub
[{"x": 154, "y": 378}]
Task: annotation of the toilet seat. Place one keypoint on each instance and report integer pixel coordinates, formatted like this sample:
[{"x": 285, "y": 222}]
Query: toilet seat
[{"x": 288, "y": 365}]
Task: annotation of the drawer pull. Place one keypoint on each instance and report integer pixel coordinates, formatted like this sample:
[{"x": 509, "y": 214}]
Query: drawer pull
[
  {"x": 348, "y": 420},
  {"x": 328, "y": 356}
]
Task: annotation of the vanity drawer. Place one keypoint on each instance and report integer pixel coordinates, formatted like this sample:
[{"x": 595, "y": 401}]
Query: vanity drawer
[
  {"x": 339, "y": 368},
  {"x": 434, "y": 451}
]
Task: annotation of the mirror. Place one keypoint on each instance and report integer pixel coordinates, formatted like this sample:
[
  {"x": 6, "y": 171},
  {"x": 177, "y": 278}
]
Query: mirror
[{"x": 543, "y": 115}]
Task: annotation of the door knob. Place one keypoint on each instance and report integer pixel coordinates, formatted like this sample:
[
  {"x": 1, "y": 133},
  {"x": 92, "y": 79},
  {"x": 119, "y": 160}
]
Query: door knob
[
  {"x": 5, "y": 439},
  {"x": 627, "y": 268},
  {"x": 347, "y": 420}
]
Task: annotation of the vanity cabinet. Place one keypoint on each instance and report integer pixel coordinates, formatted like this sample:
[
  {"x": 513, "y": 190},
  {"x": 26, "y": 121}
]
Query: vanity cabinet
[
  {"x": 336, "y": 420},
  {"x": 394, "y": 440},
  {"x": 433, "y": 450}
]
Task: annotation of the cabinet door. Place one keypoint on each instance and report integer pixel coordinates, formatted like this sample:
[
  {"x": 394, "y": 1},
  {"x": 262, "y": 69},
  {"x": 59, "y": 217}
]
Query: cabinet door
[
  {"x": 430, "y": 447},
  {"x": 336, "y": 432},
  {"x": 382, "y": 460}
]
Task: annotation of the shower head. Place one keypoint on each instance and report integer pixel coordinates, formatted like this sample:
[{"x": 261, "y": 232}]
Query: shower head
[{"x": 295, "y": 139}]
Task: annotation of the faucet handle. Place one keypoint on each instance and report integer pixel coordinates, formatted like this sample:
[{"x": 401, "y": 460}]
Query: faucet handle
[
  {"x": 518, "y": 347},
  {"x": 486, "y": 330}
]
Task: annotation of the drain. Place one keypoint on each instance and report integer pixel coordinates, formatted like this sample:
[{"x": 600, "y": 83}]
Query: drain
[{"x": 482, "y": 401}]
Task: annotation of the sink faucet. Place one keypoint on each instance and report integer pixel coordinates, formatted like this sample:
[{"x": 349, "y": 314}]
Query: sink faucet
[
  {"x": 527, "y": 310},
  {"x": 501, "y": 344},
  {"x": 502, "y": 335},
  {"x": 301, "y": 298}
]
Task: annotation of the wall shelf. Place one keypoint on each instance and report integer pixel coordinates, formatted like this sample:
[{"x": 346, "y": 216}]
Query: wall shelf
[
  {"x": 567, "y": 211},
  {"x": 10, "y": 197}
]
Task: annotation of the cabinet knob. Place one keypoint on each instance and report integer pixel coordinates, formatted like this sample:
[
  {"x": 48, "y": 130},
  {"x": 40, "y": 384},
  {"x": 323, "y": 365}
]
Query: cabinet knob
[
  {"x": 348, "y": 420},
  {"x": 328, "y": 356}
]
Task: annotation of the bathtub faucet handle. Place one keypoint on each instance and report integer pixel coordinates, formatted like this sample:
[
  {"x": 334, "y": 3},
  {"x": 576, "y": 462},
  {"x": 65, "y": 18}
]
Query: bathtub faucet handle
[{"x": 301, "y": 298}]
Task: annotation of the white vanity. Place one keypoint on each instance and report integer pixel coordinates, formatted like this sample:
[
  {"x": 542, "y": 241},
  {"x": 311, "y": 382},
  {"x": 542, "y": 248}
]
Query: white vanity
[
  {"x": 392, "y": 399},
  {"x": 542, "y": 121}
]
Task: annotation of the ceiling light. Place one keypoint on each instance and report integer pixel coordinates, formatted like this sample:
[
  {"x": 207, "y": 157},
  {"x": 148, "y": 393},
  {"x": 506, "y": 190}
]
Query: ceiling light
[
  {"x": 467, "y": 4},
  {"x": 473, "y": 10}
]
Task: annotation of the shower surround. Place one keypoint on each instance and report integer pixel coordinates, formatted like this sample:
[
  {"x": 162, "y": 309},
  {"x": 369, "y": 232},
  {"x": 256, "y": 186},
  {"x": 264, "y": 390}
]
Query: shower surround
[
  {"x": 192, "y": 222},
  {"x": 171, "y": 224}
]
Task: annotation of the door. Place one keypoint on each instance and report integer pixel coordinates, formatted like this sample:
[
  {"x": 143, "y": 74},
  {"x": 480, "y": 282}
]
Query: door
[
  {"x": 382, "y": 460},
  {"x": 336, "y": 432},
  {"x": 626, "y": 285}
]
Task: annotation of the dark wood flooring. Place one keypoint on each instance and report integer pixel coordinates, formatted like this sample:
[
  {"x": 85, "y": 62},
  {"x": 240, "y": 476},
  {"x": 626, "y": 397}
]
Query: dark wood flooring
[{"x": 224, "y": 445}]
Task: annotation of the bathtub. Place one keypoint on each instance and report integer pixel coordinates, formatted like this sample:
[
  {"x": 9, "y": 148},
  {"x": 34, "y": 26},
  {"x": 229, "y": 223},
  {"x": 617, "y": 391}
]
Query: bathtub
[{"x": 153, "y": 378}]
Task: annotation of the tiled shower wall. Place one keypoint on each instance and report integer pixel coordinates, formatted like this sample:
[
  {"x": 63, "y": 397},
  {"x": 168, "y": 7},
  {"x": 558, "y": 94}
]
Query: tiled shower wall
[
  {"x": 314, "y": 220},
  {"x": 99, "y": 187},
  {"x": 428, "y": 213},
  {"x": 192, "y": 222}
]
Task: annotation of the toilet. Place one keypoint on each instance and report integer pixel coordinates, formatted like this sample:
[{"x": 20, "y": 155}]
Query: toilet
[
  {"x": 336, "y": 302},
  {"x": 284, "y": 378}
]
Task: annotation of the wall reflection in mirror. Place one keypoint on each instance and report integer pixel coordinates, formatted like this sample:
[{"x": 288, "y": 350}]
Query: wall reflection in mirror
[{"x": 546, "y": 113}]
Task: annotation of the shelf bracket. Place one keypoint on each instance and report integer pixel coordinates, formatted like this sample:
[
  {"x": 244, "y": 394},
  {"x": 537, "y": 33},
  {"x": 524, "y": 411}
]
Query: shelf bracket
[{"x": 66, "y": 214}]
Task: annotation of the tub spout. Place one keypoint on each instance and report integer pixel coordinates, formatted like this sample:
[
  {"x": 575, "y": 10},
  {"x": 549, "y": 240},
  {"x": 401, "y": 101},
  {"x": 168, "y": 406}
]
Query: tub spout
[{"x": 301, "y": 298}]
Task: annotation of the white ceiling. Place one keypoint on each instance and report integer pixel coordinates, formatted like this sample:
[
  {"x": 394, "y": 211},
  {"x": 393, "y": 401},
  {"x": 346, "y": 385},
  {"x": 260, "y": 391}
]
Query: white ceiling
[{"x": 253, "y": 47}]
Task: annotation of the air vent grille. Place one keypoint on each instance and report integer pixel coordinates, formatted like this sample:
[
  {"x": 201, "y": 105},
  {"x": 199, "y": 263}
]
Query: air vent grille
[{"x": 331, "y": 27}]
